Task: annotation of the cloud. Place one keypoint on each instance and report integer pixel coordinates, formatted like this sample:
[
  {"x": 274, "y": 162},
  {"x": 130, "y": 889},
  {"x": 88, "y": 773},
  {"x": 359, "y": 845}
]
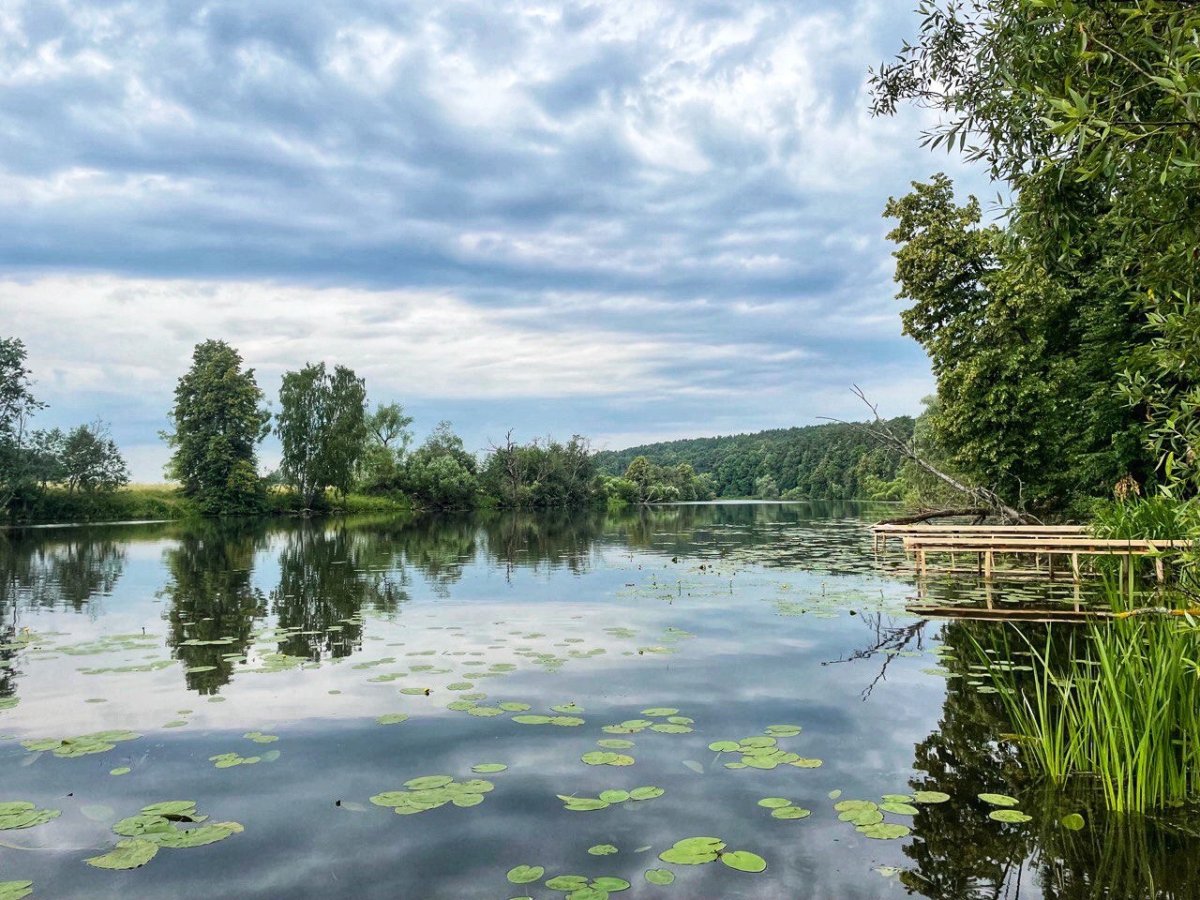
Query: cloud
[{"x": 634, "y": 215}]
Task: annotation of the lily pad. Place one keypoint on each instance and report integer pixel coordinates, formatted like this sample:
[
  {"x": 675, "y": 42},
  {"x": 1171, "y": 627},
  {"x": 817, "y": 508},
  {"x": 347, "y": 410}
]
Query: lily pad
[
  {"x": 660, "y": 712},
  {"x": 900, "y": 809},
  {"x": 566, "y": 882},
  {"x": 884, "y": 831},
  {"x": 15, "y": 890},
  {"x": 693, "y": 851},
  {"x": 602, "y": 850},
  {"x": 609, "y": 884},
  {"x": 1009, "y": 815},
  {"x": 488, "y": 768},
  {"x": 120, "y": 770},
  {"x": 724, "y": 746},
  {"x": 391, "y": 718},
  {"x": 525, "y": 874},
  {"x": 774, "y": 802},
  {"x": 178, "y": 839},
  {"x": 427, "y": 782},
  {"x": 1073, "y": 822},
  {"x": 646, "y": 793},
  {"x": 606, "y": 758},
  {"x": 791, "y": 812},
  {"x": 614, "y": 796},
  {"x": 660, "y": 876},
  {"x": 744, "y": 861},
  {"x": 582, "y": 804},
  {"x": 15, "y": 814},
  {"x": 998, "y": 799},
  {"x": 615, "y": 744},
  {"x": 930, "y": 797},
  {"x": 128, "y": 854}
]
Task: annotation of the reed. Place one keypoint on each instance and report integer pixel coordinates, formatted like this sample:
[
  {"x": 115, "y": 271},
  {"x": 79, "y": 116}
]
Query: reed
[{"x": 1120, "y": 706}]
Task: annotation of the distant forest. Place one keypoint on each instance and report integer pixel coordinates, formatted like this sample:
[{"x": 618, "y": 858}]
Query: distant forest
[{"x": 817, "y": 462}]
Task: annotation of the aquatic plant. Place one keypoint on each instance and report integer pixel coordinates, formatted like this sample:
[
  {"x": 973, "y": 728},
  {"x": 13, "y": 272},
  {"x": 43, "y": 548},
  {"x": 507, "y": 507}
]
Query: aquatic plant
[{"x": 1123, "y": 708}]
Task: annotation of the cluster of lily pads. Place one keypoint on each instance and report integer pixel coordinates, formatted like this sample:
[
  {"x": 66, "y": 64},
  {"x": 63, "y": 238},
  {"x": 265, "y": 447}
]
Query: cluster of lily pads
[
  {"x": 81, "y": 745},
  {"x": 696, "y": 851},
  {"x": 609, "y": 798},
  {"x": 576, "y": 887},
  {"x": 15, "y": 890},
  {"x": 1006, "y": 811},
  {"x": 674, "y": 724},
  {"x": 783, "y": 808},
  {"x": 157, "y": 826},
  {"x": 432, "y": 791},
  {"x": 16, "y": 814},
  {"x": 763, "y": 751},
  {"x": 868, "y": 816}
]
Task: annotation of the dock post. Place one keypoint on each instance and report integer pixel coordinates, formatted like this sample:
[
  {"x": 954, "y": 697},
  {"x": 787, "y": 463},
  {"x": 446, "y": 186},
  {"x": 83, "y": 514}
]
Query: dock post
[{"x": 1075, "y": 567}]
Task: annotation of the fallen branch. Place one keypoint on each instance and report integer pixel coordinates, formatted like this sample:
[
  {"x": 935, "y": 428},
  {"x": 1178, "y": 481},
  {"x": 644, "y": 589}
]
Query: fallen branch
[
  {"x": 985, "y": 497},
  {"x": 975, "y": 512}
]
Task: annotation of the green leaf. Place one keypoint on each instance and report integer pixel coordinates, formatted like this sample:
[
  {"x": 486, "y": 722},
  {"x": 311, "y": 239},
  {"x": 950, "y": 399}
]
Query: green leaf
[
  {"x": 602, "y": 850},
  {"x": 128, "y": 854},
  {"x": 1008, "y": 815},
  {"x": 744, "y": 861},
  {"x": 525, "y": 874},
  {"x": 884, "y": 831},
  {"x": 660, "y": 876}
]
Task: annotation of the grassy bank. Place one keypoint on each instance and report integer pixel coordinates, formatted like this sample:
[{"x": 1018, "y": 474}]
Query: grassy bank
[{"x": 138, "y": 502}]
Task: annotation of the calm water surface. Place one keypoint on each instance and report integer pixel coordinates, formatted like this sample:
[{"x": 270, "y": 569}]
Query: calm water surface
[{"x": 739, "y": 617}]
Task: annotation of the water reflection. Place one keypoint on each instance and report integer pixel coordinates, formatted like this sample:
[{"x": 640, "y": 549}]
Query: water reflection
[
  {"x": 212, "y": 601},
  {"x": 958, "y": 852},
  {"x": 60, "y": 571}
]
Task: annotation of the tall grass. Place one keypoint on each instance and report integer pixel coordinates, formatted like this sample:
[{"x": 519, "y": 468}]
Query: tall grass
[{"x": 1120, "y": 706}]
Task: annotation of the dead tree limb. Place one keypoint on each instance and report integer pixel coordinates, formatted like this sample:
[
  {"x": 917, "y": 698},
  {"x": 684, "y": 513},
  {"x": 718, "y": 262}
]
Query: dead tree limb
[
  {"x": 978, "y": 496},
  {"x": 974, "y": 512}
]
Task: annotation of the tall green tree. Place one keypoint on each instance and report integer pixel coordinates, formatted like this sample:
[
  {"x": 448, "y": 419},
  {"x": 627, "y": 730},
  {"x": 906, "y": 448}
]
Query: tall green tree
[
  {"x": 217, "y": 422},
  {"x": 1091, "y": 113},
  {"x": 17, "y": 405},
  {"x": 322, "y": 425},
  {"x": 1026, "y": 361},
  {"x": 441, "y": 473}
]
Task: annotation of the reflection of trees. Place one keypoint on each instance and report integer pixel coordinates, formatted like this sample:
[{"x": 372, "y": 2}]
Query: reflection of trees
[
  {"x": 212, "y": 598},
  {"x": 327, "y": 574},
  {"x": 553, "y": 537},
  {"x": 957, "y": 852},
  {"x": 52, "y": 571}
]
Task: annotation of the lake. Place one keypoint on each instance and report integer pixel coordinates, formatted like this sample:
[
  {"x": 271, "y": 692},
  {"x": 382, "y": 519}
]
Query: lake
[{"x": 521, "y": 692}]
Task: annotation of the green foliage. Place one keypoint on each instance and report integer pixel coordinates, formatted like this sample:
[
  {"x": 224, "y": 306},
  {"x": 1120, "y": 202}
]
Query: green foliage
[
  {"x": 322, "y": 425},
  {"x": 17, "y": 405},
  {"x": 217, "y": 421},
  {"x": 646, "y": 482},
  {"x": 1122, "y": 704},
  {"x": 836, "y": 461},
  {"x": 90, "y": 460},
  {"x": 1026, "y": 363},
  {"x": 539, "y": 474},
  {"x": 440, "y": 473},
  {"x": 387, "y": 441},
  {"x": 1091, "y": 113}
]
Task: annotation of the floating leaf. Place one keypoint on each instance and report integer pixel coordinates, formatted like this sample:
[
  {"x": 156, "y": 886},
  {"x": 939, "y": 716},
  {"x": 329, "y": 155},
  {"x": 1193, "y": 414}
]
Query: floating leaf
[
  {"x": 178, "y": 839},
  {"x": 668, "y": 728},
  {"x": 15, "y": 814},
  {"x": 659, "y": 712},
  {"x": 774, "y": 802},
  {"x": 614, "y": 796},
  {"x": 884, "y": 831},
  {"x": 646, "y": 793},
  {"x": 930, "y": 797},
  {"x": 900, "y": 809},
  {"x": 998, "y": 799},
  {"x": 510, "y": 706},
  {"x": 525, "y": 874},
  {"x": 427, "y": 782},
  {"x": 615, "y": 744},
  {"x": 783, "y": 730},
  {"x": 723, "y": 746},
  {"x": 15, "y": 890},
  {"x": 693, "y": 851},
  {"x": 744, "y": 861},
  {"x": 791, "y": 812},
  {"x": 606, "y": 758},
  {"x": 602, "y": 850},
  {"x": 660, "y": 876},
  {"x": 1008, "y": 815},
  {"x": 566, "y": 882},
  {"x": 806, "y": 763},
  {"x": 694, "y": 765},
  {"x": 488, "y": 768},
  {"x": 582, "y": 804},
  {"x": 609, "y": 884},
  {"x": 1073, "y": 822},
  {"x": 532, "y": 720},
  {"x": 387, "y": 719},
  {"x": 128, "y": 854}
]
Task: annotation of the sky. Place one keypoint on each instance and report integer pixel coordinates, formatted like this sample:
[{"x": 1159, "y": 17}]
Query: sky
[{"x": 631, "y": 220}]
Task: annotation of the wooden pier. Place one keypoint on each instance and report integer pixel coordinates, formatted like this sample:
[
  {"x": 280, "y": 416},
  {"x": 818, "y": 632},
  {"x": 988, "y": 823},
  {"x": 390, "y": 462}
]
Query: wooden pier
[{"x": 984, "y": 544}]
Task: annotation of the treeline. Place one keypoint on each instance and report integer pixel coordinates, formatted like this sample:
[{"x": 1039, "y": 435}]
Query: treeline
[
  {"x": 337, "y": 453},
  {"x": 818, "y": 462},
  {"x": 84, "y": 461}
]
